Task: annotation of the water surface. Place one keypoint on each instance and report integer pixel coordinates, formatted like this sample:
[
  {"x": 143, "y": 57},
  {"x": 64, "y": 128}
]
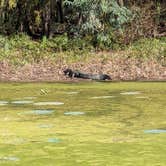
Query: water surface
[{"x": 84, "y": 124}]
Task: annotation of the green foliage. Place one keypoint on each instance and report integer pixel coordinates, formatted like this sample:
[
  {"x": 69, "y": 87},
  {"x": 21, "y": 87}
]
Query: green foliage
[
  {"x": 58, "y": 43},
  {"x": 98, "y": 19},
  {"x": 115, "y": 15},
  {"x": 103, "y": 41},
  {"x": 149, "y": 48},
  {"x": 102, "y": 20},
  {"x": 81, "y": 43},
  {"x": 21, "y": 49},
  {"x": 96, "y": 16}
]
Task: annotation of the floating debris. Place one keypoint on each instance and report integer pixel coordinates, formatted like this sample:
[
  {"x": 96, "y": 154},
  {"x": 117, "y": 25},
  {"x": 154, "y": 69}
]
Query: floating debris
[
  {"x": 155, "y": 131},
  {"x": 130, "y": 93},
  {"x": 3, "y": 103},
  {"x": 48, "y": 103},
  {"x": 40, "y": 112},
  {"x": 22, "y": 102},
  {"x": 102, "y": 97},
  {"x": 53, "y": 140},
  {"x": 74, "y": 113},
  {"x": 9, "y": 158}
]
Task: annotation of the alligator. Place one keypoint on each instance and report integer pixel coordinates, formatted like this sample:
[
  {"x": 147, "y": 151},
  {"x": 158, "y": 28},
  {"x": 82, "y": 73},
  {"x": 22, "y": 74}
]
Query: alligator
[{"x": 75, "y": 73}]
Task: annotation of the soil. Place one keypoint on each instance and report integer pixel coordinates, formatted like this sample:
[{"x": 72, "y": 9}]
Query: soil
[{"x": 118, "y": 67}]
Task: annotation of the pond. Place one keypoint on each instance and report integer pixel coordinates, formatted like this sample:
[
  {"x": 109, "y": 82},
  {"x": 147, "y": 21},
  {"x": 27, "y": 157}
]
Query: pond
[{"x": 84, "y": 124}]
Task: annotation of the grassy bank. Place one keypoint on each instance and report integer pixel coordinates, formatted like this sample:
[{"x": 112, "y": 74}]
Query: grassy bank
[
  {"x": 20, "y": 49},
  {"x": 144, "y": 59}
]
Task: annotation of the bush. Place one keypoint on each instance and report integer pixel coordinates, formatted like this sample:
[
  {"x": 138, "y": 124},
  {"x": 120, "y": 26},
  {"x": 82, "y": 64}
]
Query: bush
[
  {"x": 149, "y": 48},
  {"x": 21, "y": 49}
]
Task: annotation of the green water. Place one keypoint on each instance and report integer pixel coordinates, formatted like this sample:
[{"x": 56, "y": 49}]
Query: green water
[{"x": 83, "y": 124}]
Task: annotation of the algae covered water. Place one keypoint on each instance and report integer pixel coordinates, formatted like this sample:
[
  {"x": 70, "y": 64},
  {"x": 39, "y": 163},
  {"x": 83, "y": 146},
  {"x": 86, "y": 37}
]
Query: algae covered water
[{"x": 83, "y": 124}]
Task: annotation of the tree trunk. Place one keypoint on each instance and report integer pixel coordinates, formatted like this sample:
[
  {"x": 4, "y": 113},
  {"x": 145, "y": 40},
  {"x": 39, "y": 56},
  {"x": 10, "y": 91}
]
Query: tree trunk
[
  {"x": 46, "y": 19},
  {"x": 60, "y": 11},
  {"x": 121, "y": 3}
]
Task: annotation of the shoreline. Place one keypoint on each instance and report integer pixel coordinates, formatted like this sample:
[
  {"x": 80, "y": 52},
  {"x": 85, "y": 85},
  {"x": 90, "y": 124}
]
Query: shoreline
[
  {"x": 80, "y": 81},
  {"x": 146, "y": 71},
  {"x": 120, "y": 66},
  {"x": 143, "y": 60}
]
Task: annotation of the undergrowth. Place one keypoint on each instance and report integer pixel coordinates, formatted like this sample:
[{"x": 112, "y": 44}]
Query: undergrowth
[{"x": 21, "y": 49}]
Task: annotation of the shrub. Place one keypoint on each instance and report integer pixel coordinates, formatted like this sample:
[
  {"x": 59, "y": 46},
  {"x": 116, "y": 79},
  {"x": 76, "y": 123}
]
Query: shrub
[{"x": 149, "y": 48}]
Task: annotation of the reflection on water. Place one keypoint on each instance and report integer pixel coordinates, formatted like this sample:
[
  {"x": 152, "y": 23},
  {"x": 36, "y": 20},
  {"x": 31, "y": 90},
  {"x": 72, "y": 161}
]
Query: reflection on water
[
  {"x": 71, "y": 93},
  {"x": 102, "y": 97},
  {"x": 29, "y": 98},
  {"x": 130, "y": 93},
  {"x": 142, "y": 97},
  {"x": 22, "y": 102},
  {"x": 53, "y": 140},
  {"x": 3, "y": 103},
  {"x": 155, "y": 131},
  {"x": 45, "y": 126},
  {"x": 9, "y": 159},
  {"x": 48, "y": 103},
  {"x": 74, "y": 113},
  {"x": 40, "y": 112}
]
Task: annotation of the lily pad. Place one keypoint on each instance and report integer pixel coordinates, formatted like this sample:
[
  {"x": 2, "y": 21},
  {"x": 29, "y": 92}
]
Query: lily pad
[
  {"x": 130, "y": 93},
  {"x": 48, "y": 103},
  {"x": 102, "y": 97},
  {"x": 22, "y": 102},
  {"x": 155, "y": 131},
  {"x": 53, "y": 140},
  {"x": 74, "y": 113}
]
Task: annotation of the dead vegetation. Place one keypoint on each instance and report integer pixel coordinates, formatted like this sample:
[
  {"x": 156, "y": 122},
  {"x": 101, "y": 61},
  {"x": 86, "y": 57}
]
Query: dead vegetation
[{"x": 119, "y": 67}]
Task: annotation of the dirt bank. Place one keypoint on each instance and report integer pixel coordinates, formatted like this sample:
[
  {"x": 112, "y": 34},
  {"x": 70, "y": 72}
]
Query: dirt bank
[{"x": 118, "y": 67}]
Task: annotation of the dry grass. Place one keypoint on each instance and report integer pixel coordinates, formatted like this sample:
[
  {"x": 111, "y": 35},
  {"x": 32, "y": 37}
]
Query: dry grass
[{"x": 119, "y": 65}]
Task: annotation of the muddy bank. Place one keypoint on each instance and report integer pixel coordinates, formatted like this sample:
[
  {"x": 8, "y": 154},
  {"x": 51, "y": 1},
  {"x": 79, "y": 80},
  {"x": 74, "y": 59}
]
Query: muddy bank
[{"x": 119, "y": 68}]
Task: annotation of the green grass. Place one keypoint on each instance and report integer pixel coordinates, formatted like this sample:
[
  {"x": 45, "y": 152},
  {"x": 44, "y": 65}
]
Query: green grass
[
  {"x": 111, "y": 132},
  {"x": 21, "y": 49},
  {"x": 149, "y": 48}
]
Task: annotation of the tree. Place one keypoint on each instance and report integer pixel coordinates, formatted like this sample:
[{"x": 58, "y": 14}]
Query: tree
[{"x": 40, "y": 18}]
